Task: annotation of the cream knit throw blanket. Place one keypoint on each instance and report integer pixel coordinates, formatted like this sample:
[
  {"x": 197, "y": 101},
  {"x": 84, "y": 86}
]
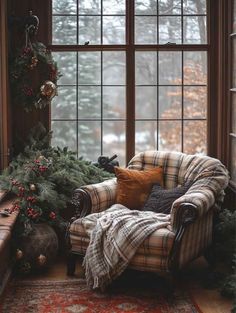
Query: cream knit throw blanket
[{"x": 115, "y": 235}]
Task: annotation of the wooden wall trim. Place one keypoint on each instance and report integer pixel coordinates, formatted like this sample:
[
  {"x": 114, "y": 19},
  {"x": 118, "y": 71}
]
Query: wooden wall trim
[
  {"x": 224, "y": 81},
  {"x": 4, "y": 112},
  {"x": 219, "y": 80}
]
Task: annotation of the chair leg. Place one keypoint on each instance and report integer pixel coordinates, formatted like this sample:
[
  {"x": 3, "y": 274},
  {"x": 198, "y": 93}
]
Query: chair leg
[
  {"x": 167, "y": 283},
  {"x": 71, "y": 263},
  {"x": 169, "y": 286},
  {"x": 210, "y": 258}
]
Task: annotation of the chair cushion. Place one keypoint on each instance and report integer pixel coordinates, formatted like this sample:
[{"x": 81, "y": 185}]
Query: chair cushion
[
  {"x": 160, "y": 200},
  {"x": 133, "y": 187},
  {"x": 158, "y": 243}
]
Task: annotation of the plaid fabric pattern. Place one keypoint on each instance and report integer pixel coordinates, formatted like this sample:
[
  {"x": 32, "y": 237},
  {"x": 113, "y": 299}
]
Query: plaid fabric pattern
[
  {"x": 115, "y": 235},
  {"x": 170, "y": 161},
  {"x": 102, "y": 195},
  {"x": 208, "y": 175},
  {"x": 159, "y": 243},
  {"x": 208, "y": 178},
  {"x": 196, "y": 238},
  {"x": 152, "y": 255},
  {"x": 149, "y": 263}
]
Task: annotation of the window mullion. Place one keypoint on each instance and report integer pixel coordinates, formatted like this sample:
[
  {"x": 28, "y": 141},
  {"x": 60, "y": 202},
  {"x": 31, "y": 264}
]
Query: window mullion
[{"x": 130, "y": 81}]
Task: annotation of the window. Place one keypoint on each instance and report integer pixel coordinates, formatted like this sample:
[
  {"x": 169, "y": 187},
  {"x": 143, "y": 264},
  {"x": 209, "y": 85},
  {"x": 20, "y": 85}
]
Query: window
[{"x": 134, "y": 76}]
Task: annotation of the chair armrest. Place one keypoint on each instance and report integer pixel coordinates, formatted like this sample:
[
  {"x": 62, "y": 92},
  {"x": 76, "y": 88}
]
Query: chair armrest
[
  {"x": 201, "y": 201},
  {"x": 186, "y": 214},
  {"x": 192, "y": 235},
  {"x": 94, "y": 198},
  {"x": 206, "y": 191}
]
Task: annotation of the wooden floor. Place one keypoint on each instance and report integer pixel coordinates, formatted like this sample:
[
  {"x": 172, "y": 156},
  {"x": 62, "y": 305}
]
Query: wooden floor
[{"x": 208, "y": 301}]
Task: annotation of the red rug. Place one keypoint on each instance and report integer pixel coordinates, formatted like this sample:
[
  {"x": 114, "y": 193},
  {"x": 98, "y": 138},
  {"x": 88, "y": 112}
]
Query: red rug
[{"x": 73, "y": 296}]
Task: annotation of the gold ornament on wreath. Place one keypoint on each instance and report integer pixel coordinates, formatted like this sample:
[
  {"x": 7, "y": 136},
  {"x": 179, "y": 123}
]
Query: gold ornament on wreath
[
  {"x": 33, "y": 74},
  {"x": 48, "y": 89}
]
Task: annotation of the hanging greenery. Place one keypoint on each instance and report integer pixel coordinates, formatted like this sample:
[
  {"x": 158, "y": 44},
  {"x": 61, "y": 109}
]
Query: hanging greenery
[{"x": 33, "y": 76}]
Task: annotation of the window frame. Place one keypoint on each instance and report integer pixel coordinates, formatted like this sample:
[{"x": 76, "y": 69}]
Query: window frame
[
  {"x": 130, "y": 48},
  {"x": 231, "y": 89}
]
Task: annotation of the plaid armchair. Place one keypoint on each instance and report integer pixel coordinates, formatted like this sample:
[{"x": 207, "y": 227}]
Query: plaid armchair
[{"x": 190, "y": 232}]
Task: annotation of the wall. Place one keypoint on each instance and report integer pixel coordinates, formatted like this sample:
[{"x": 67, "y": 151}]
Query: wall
[
  {"x": 4, "y": 112},
  {"x": 22, "y": 122}
]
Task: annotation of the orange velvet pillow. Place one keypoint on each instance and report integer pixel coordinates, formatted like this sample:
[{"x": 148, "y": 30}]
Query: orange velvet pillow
[{"x": 133, "y": 187}]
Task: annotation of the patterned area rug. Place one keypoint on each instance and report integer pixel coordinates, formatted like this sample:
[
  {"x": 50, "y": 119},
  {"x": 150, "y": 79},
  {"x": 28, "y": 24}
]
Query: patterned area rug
[{"x": 73, "y": 296}]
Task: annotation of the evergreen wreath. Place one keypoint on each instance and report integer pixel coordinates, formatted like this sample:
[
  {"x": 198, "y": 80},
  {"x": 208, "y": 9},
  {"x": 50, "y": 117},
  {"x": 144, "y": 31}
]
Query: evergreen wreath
[{"x": 33, "y": 74}]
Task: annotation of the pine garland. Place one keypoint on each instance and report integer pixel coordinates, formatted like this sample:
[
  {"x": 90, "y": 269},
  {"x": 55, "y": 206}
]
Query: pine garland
[
  {"x": 224, "y": 249},
  {"x": 43, "y": 179}
]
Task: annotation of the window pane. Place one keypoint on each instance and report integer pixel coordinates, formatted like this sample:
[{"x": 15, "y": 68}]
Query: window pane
[
  {"x": 64, "y": 30},
  {"x": 233, "y": 113},
  {"x": 114, "y": 139},
  {"x": 194, "y": 28},
  {"x": 89, "y": 68},
  {"x": 146, "y": 68},
  {"x": 89, "y": 139},
  {"x": 64, "y": 7},
  {"x": 170, "y": 102},
  {"x": 66, "y": 62},
  {"x": 64, "y": 134},
  {"x": 90, "y": 30},
  {"x": 114, "y": 102},
  {"x": 195, "y": 68},
  {"x": 146, "y": 102},
  {"x": 169, "y": 7},
  {"x": 145, "y": 136},
  {"x": 89, "y": 7},
  {"x": 233, "y": 159},
  {"x": 145, "y": 29},
  {"x": 194, "y": 6},
  {"x": 169, "y": 29},
  {"x": 113, "y": 30},
  {"x": 89, "y": 105},
  {"x": 64, "y": 105},
  {"x": 114, "y": 68},
  {"x": 170, "y": 71},
  {"x": 169, "y": 135},
  {"x": 234, "y": 18},
  {"x": 195, "y": 137},
  {"x": 195, "y": 102},
  {"x": 113, "y": 6},
  {"x": 145, "y": 7}
]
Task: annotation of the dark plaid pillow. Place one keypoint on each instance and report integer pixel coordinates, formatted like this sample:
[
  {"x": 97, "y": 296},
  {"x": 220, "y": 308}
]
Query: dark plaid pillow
[{"x": 160, "y": 200}]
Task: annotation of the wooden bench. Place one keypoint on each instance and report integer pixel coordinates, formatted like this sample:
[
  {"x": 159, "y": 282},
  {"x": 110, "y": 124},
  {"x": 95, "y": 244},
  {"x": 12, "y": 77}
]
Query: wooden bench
[{"x": 6, "y": 227}]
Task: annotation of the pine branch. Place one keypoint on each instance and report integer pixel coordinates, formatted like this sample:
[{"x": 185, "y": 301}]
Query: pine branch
[{"x": 46, "y": 191}]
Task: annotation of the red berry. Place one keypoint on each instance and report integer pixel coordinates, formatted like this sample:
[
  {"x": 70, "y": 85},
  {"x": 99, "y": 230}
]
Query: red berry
[{"x": 52, "y": 215}]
